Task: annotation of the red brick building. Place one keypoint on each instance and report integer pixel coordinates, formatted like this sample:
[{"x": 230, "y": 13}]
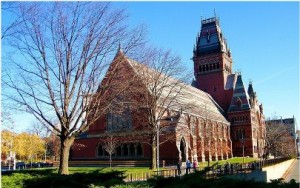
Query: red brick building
[{"x": 226, "y": 119}]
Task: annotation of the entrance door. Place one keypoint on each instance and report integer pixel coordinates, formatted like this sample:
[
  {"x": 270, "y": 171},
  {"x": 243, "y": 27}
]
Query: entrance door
[{"x": 183, "y": 149}]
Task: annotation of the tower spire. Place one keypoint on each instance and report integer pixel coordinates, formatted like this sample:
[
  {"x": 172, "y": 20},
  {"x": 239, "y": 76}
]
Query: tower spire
[
  {"x": 119, "y": 48},
  {"x": 215, "y": 13}
]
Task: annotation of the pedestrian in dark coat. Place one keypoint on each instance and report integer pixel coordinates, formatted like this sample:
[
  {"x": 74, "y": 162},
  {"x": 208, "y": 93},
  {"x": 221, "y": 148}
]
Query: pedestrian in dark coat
[
  {"x": 188, "y": 166},
  {"x": 179, "y": 167}
]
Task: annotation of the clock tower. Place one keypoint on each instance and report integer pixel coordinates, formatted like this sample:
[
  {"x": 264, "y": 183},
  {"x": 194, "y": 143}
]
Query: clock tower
[{"x": 213, "y": 63}]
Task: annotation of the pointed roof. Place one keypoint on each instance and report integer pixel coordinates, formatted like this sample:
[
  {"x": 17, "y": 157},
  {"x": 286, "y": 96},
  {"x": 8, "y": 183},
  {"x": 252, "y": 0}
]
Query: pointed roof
[
  {"x": 250, "y": 89},
  {"x": 203, "y": 105},
  {"x": 240, "y": 98},
  {"x": 210, "y": 39}
]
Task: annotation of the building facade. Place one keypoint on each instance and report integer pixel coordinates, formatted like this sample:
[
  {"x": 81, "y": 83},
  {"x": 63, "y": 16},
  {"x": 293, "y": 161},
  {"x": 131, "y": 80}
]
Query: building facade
[
  {"x": 226, "y": 120},
  {"x": 214, "y": 75}
]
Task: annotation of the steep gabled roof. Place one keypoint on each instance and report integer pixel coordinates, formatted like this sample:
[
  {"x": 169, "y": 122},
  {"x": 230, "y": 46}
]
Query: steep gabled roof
[
  {"x": 200, "y": 104},
  {"x": 210, "y": 39},
  {"x": 240, "y": 98},
  {"x": 250, "y": 90}
]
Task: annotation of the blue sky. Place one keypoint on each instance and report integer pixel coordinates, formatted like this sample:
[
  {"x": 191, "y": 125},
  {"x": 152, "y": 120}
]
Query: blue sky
[{"x": 263, "y": 37}]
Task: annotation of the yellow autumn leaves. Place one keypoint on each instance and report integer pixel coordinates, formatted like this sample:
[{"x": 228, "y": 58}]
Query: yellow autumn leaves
[{"x": 27, "y": 147}]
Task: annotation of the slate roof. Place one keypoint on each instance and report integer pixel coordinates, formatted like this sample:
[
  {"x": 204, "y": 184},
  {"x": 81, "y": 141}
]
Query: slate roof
[
  {"x": 210, "y": 39},
  {"x": 240, "y": 98},
  {"x": 250, "y": 90},
  {"x": 200, "y": 103}
]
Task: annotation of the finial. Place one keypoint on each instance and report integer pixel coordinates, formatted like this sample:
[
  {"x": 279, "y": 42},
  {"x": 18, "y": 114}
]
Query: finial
[
  {"x": 250, "y": 81},
  {"x": 215, "y": 13},
  {"x": 119, "y": 48}
]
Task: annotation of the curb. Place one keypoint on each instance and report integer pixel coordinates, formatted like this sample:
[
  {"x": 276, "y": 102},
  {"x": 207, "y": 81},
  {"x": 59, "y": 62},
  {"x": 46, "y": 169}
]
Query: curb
[{"x": 288, "y": 170}]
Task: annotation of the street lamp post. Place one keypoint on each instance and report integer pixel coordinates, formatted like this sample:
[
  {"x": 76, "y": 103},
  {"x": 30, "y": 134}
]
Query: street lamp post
[
  {"x": 46, "y": 152},
  {"x": 243, "y": 147},
  {"x": 157, "y": 147}
]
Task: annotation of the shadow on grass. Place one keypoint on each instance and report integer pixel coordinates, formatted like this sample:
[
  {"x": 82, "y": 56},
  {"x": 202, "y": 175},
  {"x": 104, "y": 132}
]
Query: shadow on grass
[
  {"x": 49, "y": 179},
  {"x": 198, "y": 180}
]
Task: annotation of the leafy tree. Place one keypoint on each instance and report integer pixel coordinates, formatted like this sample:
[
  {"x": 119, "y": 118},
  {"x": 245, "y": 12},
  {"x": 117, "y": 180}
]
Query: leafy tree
[
  {"x": 26, "y": 146},
  {"x": 7, "y": 143},
  {"x": 29, "y": 146}
]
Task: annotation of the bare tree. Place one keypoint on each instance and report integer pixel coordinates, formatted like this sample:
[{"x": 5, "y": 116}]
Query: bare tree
[
  {"x": 56, "y": 59},
  {"x": 279, "y": 141},
  {"x": 15, "y": 20},
  {"x": 159, "y": 82},
  {"x": 110, "y": 144},
  {"x": 39, "y": 129}
]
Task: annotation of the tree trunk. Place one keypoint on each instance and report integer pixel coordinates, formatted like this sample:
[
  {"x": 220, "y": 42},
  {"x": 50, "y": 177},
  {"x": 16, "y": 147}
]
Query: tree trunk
[
  {"x": 110, "y": 160},
  {"x": 153, "y": 153},
  {"x": 65, "y": 146}
]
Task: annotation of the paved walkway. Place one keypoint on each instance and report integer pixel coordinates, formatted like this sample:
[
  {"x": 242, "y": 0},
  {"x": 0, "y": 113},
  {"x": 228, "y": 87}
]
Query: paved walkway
[{"x": 293, "y": 172}]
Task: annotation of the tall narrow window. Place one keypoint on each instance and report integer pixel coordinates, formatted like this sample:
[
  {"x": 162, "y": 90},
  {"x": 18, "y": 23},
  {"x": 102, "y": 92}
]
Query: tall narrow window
[
  {"x": 119, "y": 121},
  {"x": 139, "y": 150},
  {"x": 193, "y": 128},
  {"x": 100, "y": 150}
]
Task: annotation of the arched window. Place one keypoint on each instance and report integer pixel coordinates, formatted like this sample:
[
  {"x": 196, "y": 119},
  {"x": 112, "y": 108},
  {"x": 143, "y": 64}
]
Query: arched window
[
  {"x": 201, "y": 124},
  {"x": 200, "y": 68},
  {"x": 131, "y": 150},
  {"x": 241, "y": 134},
  {"x": 125, "y": 149},
  {"x": 183, "y": 149},
  {"x": 119, "y": 151},
  {"x": 239, "y": 103},
  {"x": 105, "y": 152},
  {"x": 100, "y": 151},
  {"x": 139, "y": 150},
  {"x": 192, "y": 127},
  {"x": 119, "y": 121}
]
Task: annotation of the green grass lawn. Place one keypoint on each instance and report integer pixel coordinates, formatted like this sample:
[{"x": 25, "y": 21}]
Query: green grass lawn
[
  {"x": 232, "y": 160},
  {"x": 131, "y": 170},
  {"x": 127, "y": 170},
  {"x": 100, "y": 177}
]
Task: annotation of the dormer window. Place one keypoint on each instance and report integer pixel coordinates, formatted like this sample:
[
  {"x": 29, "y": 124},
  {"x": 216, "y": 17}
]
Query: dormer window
[
  {"x": 239, "y": 103},
  {"x": 208, "y": 36}
]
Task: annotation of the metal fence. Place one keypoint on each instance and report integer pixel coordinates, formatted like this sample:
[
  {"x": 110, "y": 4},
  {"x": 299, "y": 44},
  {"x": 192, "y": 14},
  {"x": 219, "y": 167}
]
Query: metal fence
[{"x": 208, "y": 172}]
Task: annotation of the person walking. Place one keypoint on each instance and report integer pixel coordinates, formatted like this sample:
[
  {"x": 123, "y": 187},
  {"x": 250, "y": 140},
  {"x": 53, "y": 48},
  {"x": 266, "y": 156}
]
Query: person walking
[
  {"x": 179, "y": 167},
  {"x": 195, "y": 165},
  {"x": 188, "y": 166}
]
